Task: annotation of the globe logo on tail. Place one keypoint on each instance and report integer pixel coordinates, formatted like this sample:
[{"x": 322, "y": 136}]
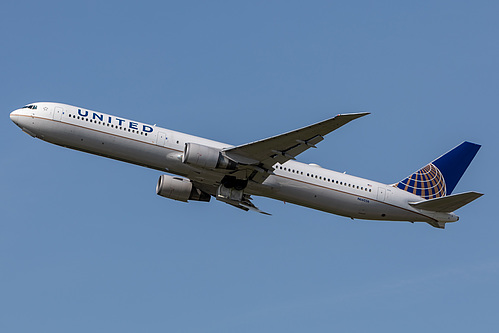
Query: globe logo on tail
[{"x": 428, "y": 183}]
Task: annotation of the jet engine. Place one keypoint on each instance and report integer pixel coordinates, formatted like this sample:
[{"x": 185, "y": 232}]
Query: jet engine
[
  {"x": 180, "y": 189},
  {"x": 206, "y": 157}
]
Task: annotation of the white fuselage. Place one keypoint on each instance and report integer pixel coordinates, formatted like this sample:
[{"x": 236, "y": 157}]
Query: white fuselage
[{"x": 159, "y": 148}]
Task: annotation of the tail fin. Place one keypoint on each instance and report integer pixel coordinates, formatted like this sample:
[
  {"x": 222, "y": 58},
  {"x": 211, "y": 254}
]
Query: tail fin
[{"x": 440, "y": 177}]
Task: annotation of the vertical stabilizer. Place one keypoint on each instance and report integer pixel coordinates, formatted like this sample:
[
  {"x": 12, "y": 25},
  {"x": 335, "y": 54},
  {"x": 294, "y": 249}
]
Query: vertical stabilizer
[{"x": 440, "y": 177}]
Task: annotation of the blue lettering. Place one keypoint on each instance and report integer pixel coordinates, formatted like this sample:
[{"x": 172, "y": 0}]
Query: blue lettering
[
  {"x": 120, "y": 121},
  {"x": 97, "y": 116},
  {"x": 109, "y": 120},
  {"x": 81, "y": 113},
  {"x": 147, "y": 129},
  {"x": 133, "y": 125}
]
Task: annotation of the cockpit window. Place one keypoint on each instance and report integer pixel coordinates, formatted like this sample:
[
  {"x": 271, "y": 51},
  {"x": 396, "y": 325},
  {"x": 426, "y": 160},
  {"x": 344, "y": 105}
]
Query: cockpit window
[{"x": 34, "y": 107}]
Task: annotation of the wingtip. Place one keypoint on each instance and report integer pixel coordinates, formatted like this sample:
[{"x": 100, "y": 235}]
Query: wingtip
[{"x": 355, "y": 114}]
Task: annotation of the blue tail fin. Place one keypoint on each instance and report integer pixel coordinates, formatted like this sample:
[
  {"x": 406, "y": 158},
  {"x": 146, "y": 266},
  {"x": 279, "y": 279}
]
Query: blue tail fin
[{"x": 440, "y": 177}]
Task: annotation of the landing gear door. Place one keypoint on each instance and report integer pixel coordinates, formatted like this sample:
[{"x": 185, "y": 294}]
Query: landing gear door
[{"x": 58, "y": 113}]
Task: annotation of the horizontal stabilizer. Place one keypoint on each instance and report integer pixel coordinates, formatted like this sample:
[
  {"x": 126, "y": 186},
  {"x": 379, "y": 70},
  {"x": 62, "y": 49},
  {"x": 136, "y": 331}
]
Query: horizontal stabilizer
[{"x": 448, "y": 203}]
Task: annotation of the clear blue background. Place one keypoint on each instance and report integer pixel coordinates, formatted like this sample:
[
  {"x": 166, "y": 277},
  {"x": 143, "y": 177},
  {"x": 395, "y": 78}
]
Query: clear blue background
[{"x": 87, "y": 246}]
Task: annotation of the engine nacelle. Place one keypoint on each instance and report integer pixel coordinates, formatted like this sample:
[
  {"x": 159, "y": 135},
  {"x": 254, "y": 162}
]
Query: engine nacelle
[
  {"x": 206, "y": 157},
  {"x": 180, "y": 189}
]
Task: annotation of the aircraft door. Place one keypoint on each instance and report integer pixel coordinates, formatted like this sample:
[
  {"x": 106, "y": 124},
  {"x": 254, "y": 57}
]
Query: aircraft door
[
  {"x": 381, "y": 194},
  {"x": 58, "y": 113},
  {"x": 161, "y": 139}
]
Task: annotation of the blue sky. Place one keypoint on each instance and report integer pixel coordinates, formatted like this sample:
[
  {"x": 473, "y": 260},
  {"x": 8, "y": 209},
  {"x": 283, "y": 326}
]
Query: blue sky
[{"x": 87, "y": 246}]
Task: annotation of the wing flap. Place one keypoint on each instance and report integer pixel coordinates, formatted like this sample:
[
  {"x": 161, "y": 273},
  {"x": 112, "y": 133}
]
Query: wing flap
[
  {"x": 245, "y": 204},
  {"x": 448, "y": 203}
]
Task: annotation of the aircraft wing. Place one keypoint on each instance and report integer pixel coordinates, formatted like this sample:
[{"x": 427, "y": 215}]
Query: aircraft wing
[
  {"x": 263, "y": 154},
  {"x": 244, "y": 204}
]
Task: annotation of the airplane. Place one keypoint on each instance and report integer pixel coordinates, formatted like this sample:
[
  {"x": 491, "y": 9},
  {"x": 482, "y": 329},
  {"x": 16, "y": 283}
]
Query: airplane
[{"x": 200, "y": 169}]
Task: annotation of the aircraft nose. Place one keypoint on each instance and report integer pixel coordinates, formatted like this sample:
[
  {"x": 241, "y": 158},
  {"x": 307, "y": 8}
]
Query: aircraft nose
[{"x": 14, "y": 116}]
